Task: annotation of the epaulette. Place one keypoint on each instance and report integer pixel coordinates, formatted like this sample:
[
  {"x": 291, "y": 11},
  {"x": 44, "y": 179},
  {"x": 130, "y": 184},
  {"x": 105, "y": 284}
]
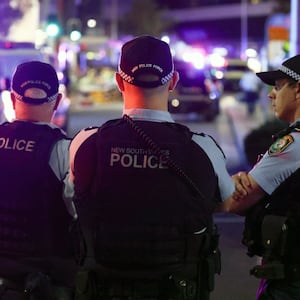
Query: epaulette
[
  {"x": 286, "y": 131},
  {"x": 90, "y": 128},
  {"x": 212, "y": 138}
]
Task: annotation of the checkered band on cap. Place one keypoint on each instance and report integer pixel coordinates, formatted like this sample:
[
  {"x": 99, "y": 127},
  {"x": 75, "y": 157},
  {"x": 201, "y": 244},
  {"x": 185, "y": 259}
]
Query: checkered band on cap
[
  {"x": 290, "y": 72},
  {"x": 167, "y": 77},
  {"x": 125, "y": 76},
  {"x": 35, "y": 100}
]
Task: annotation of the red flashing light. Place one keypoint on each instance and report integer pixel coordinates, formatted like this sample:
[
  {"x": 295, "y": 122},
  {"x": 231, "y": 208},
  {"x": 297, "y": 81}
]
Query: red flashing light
[
  {"x": 7, "y": 45},
  {"x": 83, "y": 47}
]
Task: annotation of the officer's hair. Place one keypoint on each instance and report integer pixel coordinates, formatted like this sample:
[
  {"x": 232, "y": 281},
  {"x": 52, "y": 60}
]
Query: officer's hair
[
  {"x": 147, "y": 77},
  {"x": 292, "y": 82}
]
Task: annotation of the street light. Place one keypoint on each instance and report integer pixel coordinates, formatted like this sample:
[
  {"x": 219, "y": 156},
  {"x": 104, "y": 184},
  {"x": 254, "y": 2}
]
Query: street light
[
  {"x": 53, "y": 28},
  {"x": 75, "y": 35},
  {"x": 91, "y": 23},
  {"x": 74, "y": 28}
]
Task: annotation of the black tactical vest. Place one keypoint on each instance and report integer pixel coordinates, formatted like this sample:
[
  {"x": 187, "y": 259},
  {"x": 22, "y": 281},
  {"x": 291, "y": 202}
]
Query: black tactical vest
[
  {"x": 142, "y": 213},
  {"x": 33, "y": 218}
]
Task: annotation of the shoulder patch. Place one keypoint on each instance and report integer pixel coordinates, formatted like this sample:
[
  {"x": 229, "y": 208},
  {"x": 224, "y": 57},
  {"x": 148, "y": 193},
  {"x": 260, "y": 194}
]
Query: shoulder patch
[{"x": 281, "y": 144}]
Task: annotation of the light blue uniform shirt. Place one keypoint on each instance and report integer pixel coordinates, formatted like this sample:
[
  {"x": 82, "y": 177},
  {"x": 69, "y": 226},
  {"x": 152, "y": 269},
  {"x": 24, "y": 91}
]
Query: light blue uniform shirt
[{"x": 273, "y": 169}]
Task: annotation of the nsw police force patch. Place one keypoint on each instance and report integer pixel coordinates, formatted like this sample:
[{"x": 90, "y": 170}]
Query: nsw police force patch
[{"x": 280, "y": 145}]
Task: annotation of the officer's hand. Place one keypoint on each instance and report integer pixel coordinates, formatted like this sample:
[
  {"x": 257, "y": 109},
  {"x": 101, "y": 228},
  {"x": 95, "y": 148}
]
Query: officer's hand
[
  {"x": 242, "y": 185},
  {"x": 247, "y": 193}
]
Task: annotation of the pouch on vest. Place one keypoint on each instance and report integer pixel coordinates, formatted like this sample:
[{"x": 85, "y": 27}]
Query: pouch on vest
[
  {"x": 85, "y": 286},
  {"x": 274, "y": 234},
  {"x": 252, "y": 229},
  {"x": 212, "y": 262}
]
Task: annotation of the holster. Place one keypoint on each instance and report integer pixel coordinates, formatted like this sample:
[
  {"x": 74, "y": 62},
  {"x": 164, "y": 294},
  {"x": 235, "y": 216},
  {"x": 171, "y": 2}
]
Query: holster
[
  {"x": 252, "y": 229},
  {"x": 212, "y": 261},
  {"x": 84, "y": 289}
]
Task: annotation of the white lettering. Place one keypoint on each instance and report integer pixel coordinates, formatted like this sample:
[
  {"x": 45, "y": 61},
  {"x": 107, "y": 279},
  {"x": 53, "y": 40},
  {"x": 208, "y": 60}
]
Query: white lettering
[
  {"x": 114, "y": 157},
  {"x": 117, "y": 150},
  {"x": 152, "y": 162},
  {"x": 15, "y": 144},
  {"x": 29, "y": 146},
  {"x": 126, "y": 160},
  {"x": 137, "y": 161},
  {"x": 158, "y": 68},
  {"x": 145, "y": 161}
]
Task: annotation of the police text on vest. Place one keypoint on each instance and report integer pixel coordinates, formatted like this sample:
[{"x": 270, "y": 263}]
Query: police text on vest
[
  {"x": 136, "y": 158},
  {"x": 15, "y": 144}
]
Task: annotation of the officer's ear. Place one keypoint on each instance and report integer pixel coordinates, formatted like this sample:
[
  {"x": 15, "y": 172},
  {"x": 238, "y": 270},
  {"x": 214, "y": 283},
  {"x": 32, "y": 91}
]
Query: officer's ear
[
  {"x": 173, "y": 81},
  {"x": 13, "y": 99},
  {"x": 298, "y": 86},
  {"x": 120, "y": 82},
  {"x": 298, "y": 90},
  {"x": 57, "y": 101}
]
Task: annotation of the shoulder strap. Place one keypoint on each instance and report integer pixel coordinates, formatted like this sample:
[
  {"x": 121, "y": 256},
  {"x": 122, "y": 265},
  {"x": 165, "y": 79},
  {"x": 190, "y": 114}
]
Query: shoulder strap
[{"x": 285, "y": 131}]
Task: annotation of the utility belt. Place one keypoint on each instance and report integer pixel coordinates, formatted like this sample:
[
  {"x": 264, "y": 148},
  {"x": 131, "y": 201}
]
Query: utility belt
[
  {"x": 92, "y": 286},
  {"x": 277, "y": 270},
  {"x": 191, "y": 280},
  {"x": 96, "y": 284}
]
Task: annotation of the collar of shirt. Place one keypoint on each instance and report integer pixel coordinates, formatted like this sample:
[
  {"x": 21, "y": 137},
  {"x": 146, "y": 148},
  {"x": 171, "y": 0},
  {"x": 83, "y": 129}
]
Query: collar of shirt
[
  {"x": 149, "y": 115},
  {"x": 296, "y": 121},
  {"x": 39, "y": 123}
]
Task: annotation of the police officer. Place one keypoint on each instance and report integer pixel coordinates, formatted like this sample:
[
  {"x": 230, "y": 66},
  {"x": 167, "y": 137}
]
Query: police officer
[
  {"x": 269, "y": 192},
  {"x": 35, "y": 245},
  {"x": 250, "y": 85},
  {"x": 146, "y": 188}
]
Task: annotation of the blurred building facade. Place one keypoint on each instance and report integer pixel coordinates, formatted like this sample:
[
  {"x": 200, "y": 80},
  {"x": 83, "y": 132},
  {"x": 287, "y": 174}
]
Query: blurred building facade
[
  {"x": 239, "y": 22},
  {"x": 234, "y": 24}
]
